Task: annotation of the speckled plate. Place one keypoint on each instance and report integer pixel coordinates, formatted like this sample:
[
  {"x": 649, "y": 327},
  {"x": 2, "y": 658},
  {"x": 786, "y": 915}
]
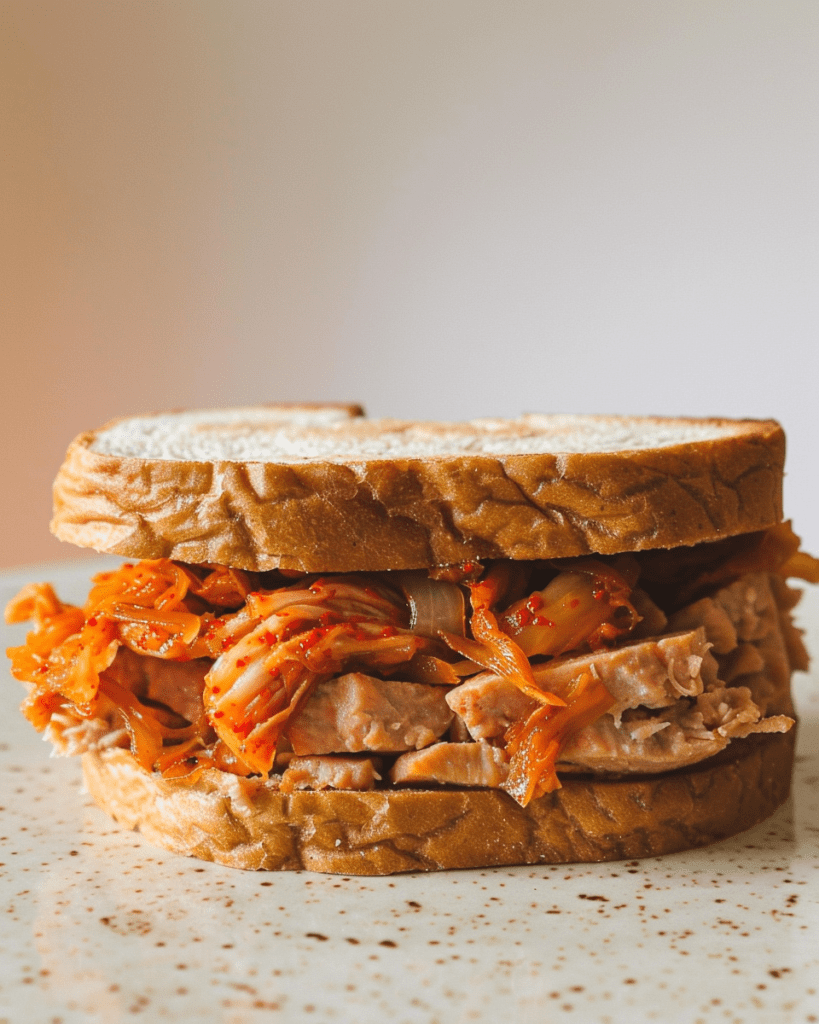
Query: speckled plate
[{"x": 100, "y": 927}]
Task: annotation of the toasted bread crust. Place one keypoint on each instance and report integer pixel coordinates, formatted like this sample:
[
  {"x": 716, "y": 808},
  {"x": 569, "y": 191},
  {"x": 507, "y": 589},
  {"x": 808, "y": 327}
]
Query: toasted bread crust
[
  {"x": 249, "y": 824},
  {"x": 382, "y": 513}
]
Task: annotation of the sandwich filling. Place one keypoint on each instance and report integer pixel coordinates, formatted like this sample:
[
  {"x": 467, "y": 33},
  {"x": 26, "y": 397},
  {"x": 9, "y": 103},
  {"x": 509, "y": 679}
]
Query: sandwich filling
[{"x": 500, "y": 674}]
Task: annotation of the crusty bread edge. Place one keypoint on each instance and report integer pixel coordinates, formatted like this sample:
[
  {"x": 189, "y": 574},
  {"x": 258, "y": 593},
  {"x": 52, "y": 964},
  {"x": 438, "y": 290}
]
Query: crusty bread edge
[
  {"x": 250, "y": 824},
  {"x": 407, "y": 513}
]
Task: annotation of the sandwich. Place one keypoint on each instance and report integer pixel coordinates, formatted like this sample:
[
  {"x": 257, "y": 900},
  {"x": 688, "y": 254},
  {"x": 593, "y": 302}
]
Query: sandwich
[{"x": 373, "y": 646}]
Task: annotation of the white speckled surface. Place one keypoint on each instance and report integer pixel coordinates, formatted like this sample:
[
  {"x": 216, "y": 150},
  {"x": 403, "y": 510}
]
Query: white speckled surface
[{"x": 100, "y": 927}]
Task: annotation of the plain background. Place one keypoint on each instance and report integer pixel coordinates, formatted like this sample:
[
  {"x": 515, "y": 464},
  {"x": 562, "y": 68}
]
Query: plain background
[{"x": 439, "y": 208}]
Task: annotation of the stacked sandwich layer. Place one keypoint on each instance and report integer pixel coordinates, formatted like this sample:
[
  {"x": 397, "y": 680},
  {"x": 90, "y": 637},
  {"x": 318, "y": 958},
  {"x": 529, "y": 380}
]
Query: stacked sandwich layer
[
  {"x": 502, "y": 676},
  {"x": 373, "y": 646}
]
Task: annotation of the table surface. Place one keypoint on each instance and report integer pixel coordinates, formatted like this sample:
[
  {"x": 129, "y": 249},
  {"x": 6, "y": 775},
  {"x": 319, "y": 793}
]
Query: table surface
[{"x": 101, "y": 927}]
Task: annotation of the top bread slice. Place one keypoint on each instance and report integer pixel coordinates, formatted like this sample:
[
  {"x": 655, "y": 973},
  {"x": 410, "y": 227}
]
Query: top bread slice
[{"x": 323, "y": 489}]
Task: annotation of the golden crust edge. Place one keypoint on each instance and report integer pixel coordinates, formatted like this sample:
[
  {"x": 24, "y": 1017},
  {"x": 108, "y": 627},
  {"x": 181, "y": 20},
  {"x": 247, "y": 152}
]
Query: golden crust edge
[{"x": 413, "y": 513}]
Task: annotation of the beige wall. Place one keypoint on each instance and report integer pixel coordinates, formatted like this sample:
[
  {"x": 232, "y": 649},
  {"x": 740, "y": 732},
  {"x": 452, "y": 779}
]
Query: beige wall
[{"x": 439, "y": 207}]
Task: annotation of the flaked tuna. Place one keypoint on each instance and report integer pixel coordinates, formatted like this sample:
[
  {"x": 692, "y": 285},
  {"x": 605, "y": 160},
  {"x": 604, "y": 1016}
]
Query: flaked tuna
[
  {"x": 453, "y": 764},
  {"x": 356, "y": 712},
  {"x": 651, "y": 673},
  {"x": 745, "y": 610},
  {"x": 177, "y": 684},
  {"x": 488, "y": 704},
  {"x": 675, "y": 737},
  {"x": 757, "y": 645},
  {"x": 329, "y": 773},
  {"x": 708, "y": 614}
]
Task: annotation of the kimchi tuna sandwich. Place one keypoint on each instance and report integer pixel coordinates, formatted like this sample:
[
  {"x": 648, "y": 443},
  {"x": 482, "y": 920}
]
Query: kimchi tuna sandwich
[{"x": 370, "y": 646}]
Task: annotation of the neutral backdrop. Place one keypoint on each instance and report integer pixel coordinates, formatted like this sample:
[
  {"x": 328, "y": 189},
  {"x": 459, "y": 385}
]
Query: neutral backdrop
[{"x": 440, "y": 208}]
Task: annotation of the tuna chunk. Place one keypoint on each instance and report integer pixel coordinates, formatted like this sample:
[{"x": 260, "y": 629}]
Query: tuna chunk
[
  {"x": 713, "y": 618},
  {"x": 356, "y": 712},
  {"x": 453, "y": 764},
  {"x": 488, "y": 704},
  {"x": 677, "y": 736},
  {"x": 731, "y": 712},
  {"x": 749, "y": 604},
  {"x": 755, "y": 612},
  {"x": 329, "y": 773},
  {"x": 652, "y": 673},
  {"x": 71, "y": 734},
  {"x": 178, "y": 685},
  {"x": 743, "y": 611},
  {"x": 777, "y": 671}
]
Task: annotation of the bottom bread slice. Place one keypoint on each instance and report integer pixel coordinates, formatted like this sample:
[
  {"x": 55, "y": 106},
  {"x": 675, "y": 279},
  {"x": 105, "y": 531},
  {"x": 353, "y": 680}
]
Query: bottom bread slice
[{"x": 248, "y": 823}]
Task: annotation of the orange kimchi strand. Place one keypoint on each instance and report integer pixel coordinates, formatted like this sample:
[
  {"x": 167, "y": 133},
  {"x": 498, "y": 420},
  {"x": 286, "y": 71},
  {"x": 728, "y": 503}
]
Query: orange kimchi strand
[
  {"x": 285, "y": 642},
  {"x": 141, "y": 606},
  {"x": 151, "y": 738},
  {"x": 147, "y": 603},
  {"x": 492, "y": 648},
  {"x": 535, "y": 744},
  {"x": 64, "y": 654},
  {"x": 40, "y": 705},
  {"x": 185, "y": 762},
  {"x": 222, "y": 587},
  {"x": 268, "y": 654},
  {"x": 586, "y": 605}
]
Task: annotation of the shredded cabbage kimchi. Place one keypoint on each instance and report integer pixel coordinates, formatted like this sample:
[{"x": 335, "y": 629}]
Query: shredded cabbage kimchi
[{"x": 197, "y": 667}]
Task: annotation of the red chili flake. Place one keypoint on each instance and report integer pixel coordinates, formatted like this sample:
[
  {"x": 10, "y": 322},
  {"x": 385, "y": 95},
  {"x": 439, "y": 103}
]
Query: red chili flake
[
  {"x": 269, "y": 638},
  {"x": 128, "y": 565},
  {"x": 241, "y": 662},
  {"x": 469, "y": 567},
  {"x": 218, "y": 714},
  {"x": 575, "y": 601},
  {"x": 535, "y": 602},
  {"x": 389, "y": 631},
  {"x": 216, "y": 689},
  {"x": 599, "y": 593},
  {"x": 312, "y": 638},
  {"x": 522, "y": 617},
  {"x": 541, "y": 620},
  {"x": 274, "y": 673},
  {"x": 92, "y": 621}
]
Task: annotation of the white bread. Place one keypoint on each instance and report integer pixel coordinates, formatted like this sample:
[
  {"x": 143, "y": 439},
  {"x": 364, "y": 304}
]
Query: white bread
[
  {"x": 320, "y": 488},
  {"x": 248, "y": 823}
]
